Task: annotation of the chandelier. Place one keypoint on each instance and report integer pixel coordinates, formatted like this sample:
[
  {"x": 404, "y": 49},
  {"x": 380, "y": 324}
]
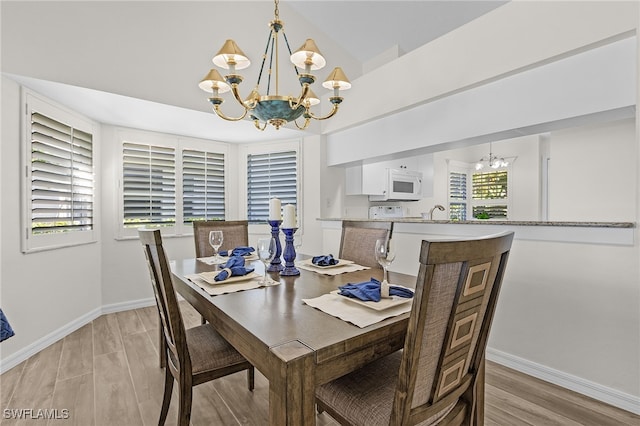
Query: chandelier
[
  {"x": 492, "y": 161},
  {"x": 274, "y": 109}
]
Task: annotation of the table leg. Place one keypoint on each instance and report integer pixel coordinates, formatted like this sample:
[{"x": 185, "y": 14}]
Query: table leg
[{"x": 292, "y": 394}]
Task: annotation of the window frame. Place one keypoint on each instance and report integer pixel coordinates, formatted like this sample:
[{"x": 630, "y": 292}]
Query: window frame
[
  {"x": 179, "y": 144},
  {"x": 30, "y": 243}
]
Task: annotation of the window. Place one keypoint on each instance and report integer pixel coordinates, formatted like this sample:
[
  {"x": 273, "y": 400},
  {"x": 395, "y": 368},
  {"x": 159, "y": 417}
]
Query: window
[
  {"x": 489, "y": 194},
  {"x": 169, "y": 182},
  {"x": 271, "y": 174},
  {"x": 59, "y": 186},
  {"x": 480, "y": 195},
  {"x": 458, "y": 195},
  {"x": 202, "y": 185},
  {"x": 149, "y": 185}
]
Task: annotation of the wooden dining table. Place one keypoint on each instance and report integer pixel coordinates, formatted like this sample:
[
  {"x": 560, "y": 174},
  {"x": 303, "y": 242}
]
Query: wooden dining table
[{"x": 295, "y": 346}]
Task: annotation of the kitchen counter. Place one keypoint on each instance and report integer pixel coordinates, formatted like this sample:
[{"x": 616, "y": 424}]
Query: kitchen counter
[
  {"x": 491, "y": 222},
  {"x": 610, "y": 233}
]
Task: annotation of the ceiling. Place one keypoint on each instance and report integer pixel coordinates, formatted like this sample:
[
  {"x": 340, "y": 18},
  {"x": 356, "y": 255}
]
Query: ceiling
[
  {"x": 359, "y": 31},
  {"x": 368, "y": 28}
]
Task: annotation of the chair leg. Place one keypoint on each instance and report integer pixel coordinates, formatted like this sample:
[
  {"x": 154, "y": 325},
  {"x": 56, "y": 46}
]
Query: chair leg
[
  {"x": 162, "y": 347},
  {"x": 166, "y": 398},
  {"x": 250, "y": 378},
  {"x": 184, "y": 413}
]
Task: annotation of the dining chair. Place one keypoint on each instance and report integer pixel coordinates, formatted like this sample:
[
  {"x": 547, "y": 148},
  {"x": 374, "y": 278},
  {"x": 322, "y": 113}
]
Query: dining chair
[
  {"x": 235, "y": 234},
  {"x": 434, "y": 378},
  {"x": 195, "y": 355},
  {"x": 358, "y": 241}
]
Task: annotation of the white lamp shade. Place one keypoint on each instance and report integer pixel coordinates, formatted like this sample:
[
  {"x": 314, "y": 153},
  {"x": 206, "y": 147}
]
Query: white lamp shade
[
  {"x": 337, "y": 79},
  {"x": 212, "y": 80},
  {"x": 230, "y": 53},
  {"x": 308, "y": 54}
]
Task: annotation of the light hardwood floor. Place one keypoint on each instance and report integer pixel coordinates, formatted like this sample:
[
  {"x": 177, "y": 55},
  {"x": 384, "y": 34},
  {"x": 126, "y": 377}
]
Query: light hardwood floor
[{"x": 106, "y": 373}]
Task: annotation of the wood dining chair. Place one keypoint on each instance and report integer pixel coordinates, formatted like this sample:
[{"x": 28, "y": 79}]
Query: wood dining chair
[
  {"x": 358, "y": 241},
  {"x": 435, "y": 378},
  {"x": 235, "y": 234},
  {"x": 195, "y": 355}
]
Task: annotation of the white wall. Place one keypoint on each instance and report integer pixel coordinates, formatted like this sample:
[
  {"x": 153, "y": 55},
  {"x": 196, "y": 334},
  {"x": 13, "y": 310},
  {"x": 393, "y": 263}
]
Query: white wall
[
  {"x": 46, "y": 291},
  {"x": 593, "y": 173}
]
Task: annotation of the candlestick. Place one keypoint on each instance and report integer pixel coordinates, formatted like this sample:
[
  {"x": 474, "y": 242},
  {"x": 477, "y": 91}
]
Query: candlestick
[
  {"x": 276, "y": 263},
  {"x": 289, "y": 253},
  {"x": 274, "y": 209},
  {"x": 289, "y": 217}
]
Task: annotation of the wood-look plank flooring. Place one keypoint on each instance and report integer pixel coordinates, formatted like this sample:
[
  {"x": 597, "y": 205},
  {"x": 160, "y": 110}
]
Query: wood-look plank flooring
[{"x": 106, "y": 373}]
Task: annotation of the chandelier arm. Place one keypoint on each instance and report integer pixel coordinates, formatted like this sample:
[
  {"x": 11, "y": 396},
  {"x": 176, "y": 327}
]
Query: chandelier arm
[
  {"x": 257, "y": 124},
  {"x": 236, "y": 94},
  {"x": 301, "y": 98},
  {"x": 220, "y": 114},
  {"x": 304, "y": 126},
  {"x": 333, "y": 112}
]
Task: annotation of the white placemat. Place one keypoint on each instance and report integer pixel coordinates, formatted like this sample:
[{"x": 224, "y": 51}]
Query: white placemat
[
  {"x": 218, "y": 289},
  {"x": 351, "y": 267},
  {"x": 340, "y": 307}
]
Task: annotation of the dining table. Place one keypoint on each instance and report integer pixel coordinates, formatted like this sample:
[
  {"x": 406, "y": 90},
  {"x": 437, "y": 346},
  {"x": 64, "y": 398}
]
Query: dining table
[{"x": 295, "y": 346}]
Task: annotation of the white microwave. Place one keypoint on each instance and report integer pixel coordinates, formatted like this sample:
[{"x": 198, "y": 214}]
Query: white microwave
[{"x": 400, "y": 185}]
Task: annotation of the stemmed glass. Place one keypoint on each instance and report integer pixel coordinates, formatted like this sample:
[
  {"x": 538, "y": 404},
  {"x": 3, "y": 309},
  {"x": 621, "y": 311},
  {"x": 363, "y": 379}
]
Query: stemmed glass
[
  {"x": 385, "y": 255},
  {"x": 266, "y": 251},
  {"x": 215, "y": 239}
]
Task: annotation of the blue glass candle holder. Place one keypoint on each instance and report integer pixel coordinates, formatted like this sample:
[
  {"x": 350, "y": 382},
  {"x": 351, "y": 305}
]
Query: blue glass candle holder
[
  {"x": 289, "y": 253},
  {"x": 276, "y": 263}
]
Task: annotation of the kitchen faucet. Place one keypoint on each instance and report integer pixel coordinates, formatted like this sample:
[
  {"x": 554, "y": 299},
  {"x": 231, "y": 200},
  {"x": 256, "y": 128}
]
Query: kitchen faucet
[{"x": 437, "y": 206}]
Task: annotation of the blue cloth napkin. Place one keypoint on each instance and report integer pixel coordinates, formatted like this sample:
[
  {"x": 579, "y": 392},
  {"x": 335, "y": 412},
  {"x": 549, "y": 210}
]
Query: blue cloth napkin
[
  {"x": 5, "y": 328},
  {"x": 370, "y": 291},
  {"x": 238, "y": 251},
  {"x": 327, "y": 260},
  {"x": 233, "y": 268}
]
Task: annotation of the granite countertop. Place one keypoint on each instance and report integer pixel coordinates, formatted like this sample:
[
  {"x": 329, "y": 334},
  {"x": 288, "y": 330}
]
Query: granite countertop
[{"x": 492, "y": 222}]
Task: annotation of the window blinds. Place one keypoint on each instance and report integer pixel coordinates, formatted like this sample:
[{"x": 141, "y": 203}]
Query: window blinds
[
  {"x": 149, "y": 187},
  {"x": 202, "y": 185},
  {"x": 62, "y": 181},
  {"x": 457, "y": 196},
  {"x": 270, "y": 175}
]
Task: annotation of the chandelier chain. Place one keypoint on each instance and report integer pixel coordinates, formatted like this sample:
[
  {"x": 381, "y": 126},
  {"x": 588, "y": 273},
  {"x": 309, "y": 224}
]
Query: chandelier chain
[{"x": 276, "y": 12}]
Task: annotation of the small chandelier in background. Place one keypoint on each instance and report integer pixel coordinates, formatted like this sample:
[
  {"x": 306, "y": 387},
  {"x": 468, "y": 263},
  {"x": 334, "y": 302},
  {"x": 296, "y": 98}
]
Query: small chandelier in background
[
  {"x": 273, "y": 109},
  {"x": 492, "y": 161}
]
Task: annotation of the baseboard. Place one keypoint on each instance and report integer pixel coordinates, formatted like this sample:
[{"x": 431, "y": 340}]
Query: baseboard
[
  {"x": 40, "y": 344},
  {"x": 591, "y": 389},
  {"x": 126, "y": 306},
  {"x": 48, "y": 340}
]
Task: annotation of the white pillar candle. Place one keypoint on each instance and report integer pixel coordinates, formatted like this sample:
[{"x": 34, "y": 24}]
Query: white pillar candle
[
  {"x": 274, "y": 209},
  {"x": 289, "y": 217}
]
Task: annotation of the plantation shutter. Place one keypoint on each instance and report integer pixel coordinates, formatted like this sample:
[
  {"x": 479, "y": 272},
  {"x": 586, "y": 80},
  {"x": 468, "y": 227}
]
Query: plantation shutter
[
  {"x": 62, "y": 181},
  {"x": 270, "y": 175},
  {"x": 202, "y": 185},
  {"x": 457, "y": 196},
  {"x": 148, "y": 185}
]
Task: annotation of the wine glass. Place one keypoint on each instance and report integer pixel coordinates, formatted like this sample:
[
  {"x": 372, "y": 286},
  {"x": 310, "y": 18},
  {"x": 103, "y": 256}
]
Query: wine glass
[
  {"x": 215, "y": 239},
  {"x": 385, "y": 255},
  {"x": 266, "y": 251}
]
